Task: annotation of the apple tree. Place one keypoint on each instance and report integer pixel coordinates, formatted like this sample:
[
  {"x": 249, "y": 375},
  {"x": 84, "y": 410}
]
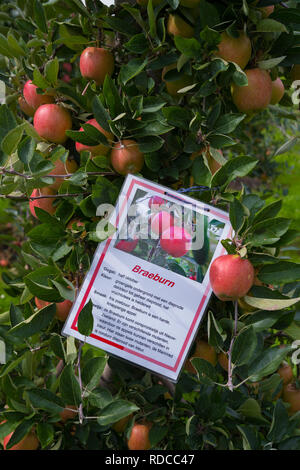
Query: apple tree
[{"x": 181, "y": 92}]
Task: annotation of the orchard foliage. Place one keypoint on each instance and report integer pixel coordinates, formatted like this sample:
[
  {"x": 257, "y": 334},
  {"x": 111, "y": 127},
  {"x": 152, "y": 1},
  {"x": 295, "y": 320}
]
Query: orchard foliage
[{"x": 178, "y": 133}]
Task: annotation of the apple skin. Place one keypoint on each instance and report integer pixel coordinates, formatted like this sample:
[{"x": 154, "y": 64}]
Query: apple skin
[
  {"x": 176, "y": 241},
  {"x": 223, "y": 361},
  {"x": 126, "y": 157},
  {"x": 127, "y": 245},
  {"x": 45, "y": 204},
  {"x": 62, "y": 308},
  {"x": 51, "y": 122},
  {"x": 174, "y": 85},
  {"x": 286, "y": 373},
  {"x": 236, "y": 50},
  {"x": 295, "y": 73},
  {"x": 32, "y": 98},
  {"x": 256, "y": 95},
  {"x": 277, "y": 91},
  {"x": 120, "y": 425},
  {"x": 291, "y": 395},
  {"x": 95, "y": 149},
  {"x": 203, "y": 351},
  {"x": 161, "y": 221},
  {"x": 28, "y": 110},
  {"x": 139, "y": 437},
  {"x": 231, "y": 277},
  {"x": 68, "y": 414},
  {"x": 176, "y": 26},
  {"x": 62, "y": 169},
  {"x": 29, "y": 442},
  {"x": 95, "y": 63},
  {"x": 67, "y": 67},
  {"x": 267, "y": 11}
]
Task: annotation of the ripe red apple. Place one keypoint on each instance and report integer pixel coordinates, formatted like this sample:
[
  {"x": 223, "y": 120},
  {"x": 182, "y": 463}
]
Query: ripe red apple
[
  {"x": 45, "y": 203},
  {"x": 62, "y": 308},
  {"x": 236, "y": 50},
  {"x": 173, "y": 86},
  {"x": 161, "y": 221},
  {"x": 32, "y": 98},
  {"x": 66, "y": 78},
  {"x": 51, "y": 121},
  {"x": 127, "y": 245},
  {"x": 277, "y": 91},
  {"x": 67, "y": 67},
  {"x": 28, "y": 110},
  {"x": 155, "y": 201},
  {"x": 62, "y": 169},
  {"x": 96, "y": 63},
  {"x": 176, "y": 26},
  {"x": 96, "y": 149},
  {"x": 256, "y": 95},
  {"x": 231, "y": 277},
  {"x": 176, "y": 241},
  {"x": 286, "y": 373},
  {"x": 126, "y": 157},
  {"x": 29, "y": 442},
  {"x": 139, "y": 437},
  {"x": 4, "y": 263}
]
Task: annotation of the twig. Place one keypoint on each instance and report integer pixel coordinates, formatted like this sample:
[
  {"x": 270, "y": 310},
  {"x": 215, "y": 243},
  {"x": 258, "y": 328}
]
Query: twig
[
  {"x": 230, "y": 383},
  {"x": 80, "y": 410}
]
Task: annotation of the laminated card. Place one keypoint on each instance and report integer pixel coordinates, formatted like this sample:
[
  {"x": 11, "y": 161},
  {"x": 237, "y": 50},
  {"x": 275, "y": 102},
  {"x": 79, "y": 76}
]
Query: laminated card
[{"x": 149, "y": 281}]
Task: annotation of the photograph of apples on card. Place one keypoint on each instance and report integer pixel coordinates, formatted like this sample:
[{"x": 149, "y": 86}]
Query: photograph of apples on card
[
  {"x": 169, "y": 234},
  {"x": 149, "y": 281}
]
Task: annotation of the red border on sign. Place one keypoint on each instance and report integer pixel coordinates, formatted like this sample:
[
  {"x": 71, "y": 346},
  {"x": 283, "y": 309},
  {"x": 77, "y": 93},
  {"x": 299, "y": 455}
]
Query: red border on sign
[{"x": 87, "y": 292}]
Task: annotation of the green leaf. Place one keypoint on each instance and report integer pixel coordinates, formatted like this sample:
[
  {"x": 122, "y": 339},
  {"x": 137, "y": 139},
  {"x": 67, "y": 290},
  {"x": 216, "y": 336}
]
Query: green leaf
[
  {"x": 20, "y": 432},
  {"x": 86, "y": 320},
  {"x": 205, "y": 370},
  {"x": 69, "y": 386},
  {"x": 92, "y": 372},
  {"x": 286, "y": 146},
  {"x": 190, "y": 47},
  {"x": 51, "y": 70},
  {"x": 268, "y": 212},
  {"x": 268, "y": 231},
  {"x": 40, "y": 17},
  {"x": 279, "y": 273},
  {"x": 132, "y": 69},
  {"x": 11, "y": 141},
  {"x": 35, "y": 323},
  {"x": 216, "y": 334},
  {"x": 252, "y": 411},
  {"x": 267, "y": 362},
  {"x": 26, "y": 150},
  {"x": 280, "y": 423},
  {"x": 100, "y": 113},
  {"x": 270, "y": 63},
  {"x": 45, "y": 434},
  {"x": 115, "y": 411},
  {"x": 44, "y": 399},
  {"x": 237, "y": 212},
  {"x": 227, "y": 123},
  {"x": 236, "y": 167},
  {"x": 270, "y": 26},
  {"x": 157, "y": 434},
  {"x": 244, "y": 346}
]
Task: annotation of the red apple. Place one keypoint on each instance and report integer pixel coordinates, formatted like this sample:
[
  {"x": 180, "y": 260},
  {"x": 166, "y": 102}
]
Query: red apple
[
  {"x": 277, "y": 91},
  {"x": 231, "y": 277},
  {"x": 32, "y": 98},
  {"x": 126, "y": 157},
  {"x": 127, "y": 245},
  {"x": 139, "y": 437},
  {"x": 44, "y": 203},
  {"x": 96, "y": 63},
  {"x": 67, "y": 67},
  {"x": 70, "y": 166},
  {"x": 51, "y": 122},
  {"x": 99, "y": 149},
  {"x": 176, "y": 241},
  {"x": 161, "y": 221}
]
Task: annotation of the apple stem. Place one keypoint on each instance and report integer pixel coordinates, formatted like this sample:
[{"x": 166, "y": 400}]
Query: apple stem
[{"x": 85, "y": 89}]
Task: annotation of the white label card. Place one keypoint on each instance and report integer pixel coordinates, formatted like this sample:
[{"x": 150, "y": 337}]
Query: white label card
[{"x": 149, "y": 281}]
